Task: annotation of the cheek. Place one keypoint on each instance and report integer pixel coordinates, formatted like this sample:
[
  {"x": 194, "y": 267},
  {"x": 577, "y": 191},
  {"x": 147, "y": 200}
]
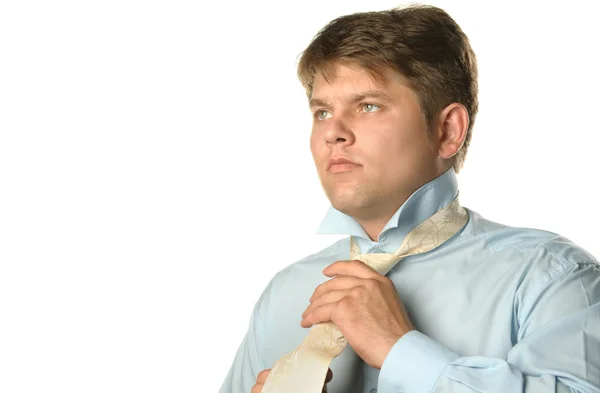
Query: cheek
[
  {"x": 396, "y": 150},
  {"x": 316, "y": 148},
  {"x": 313, "y": 145}
]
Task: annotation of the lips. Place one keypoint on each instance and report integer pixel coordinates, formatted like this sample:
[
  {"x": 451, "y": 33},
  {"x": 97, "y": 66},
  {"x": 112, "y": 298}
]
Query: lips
[{"x": 341, "y": 164}]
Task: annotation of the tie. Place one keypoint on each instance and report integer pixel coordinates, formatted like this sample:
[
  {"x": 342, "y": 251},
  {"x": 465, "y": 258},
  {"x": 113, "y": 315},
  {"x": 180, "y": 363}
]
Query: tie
[{"x": 304, "y": 369}]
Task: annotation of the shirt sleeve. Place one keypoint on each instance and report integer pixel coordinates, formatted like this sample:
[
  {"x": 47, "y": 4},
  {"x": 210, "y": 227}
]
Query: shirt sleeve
[
  {"x": 557, "y": 349},
  {"x": 249, "y": 359}
]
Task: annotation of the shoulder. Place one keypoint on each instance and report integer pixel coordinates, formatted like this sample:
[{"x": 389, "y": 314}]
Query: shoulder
[
  {"x": 312, "y": 265},
  {"x": 550, "y": 272},
  {"x": 287, "y": 296},
  {"x": 538, "y": 251},
  {"x": 295, "y": 280}
]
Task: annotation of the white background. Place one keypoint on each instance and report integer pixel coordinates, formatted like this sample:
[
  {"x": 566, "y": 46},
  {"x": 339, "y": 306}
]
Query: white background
[{"x": 155, "y": 171}]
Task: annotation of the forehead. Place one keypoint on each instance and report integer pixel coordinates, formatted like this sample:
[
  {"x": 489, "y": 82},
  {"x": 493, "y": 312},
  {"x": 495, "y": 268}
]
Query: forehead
[
  {"x": 339, "y": 75},
  {"x": 338, "y": 81}
]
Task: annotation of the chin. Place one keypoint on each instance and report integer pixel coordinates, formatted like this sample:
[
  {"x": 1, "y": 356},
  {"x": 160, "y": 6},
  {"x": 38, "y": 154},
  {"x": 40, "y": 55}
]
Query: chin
[
  {"x": 354, "y": 199},
  {"x": 346, "y": 202}
]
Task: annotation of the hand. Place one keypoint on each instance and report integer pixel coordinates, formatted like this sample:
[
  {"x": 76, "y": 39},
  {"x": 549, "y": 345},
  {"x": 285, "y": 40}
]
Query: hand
[
  {"x": 365, "y": 307},
  {"x": 262, "y": 378}
]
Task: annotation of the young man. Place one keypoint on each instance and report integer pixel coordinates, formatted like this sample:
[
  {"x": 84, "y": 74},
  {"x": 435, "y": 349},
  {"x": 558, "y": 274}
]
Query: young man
[{"x": 491, "y": 309}]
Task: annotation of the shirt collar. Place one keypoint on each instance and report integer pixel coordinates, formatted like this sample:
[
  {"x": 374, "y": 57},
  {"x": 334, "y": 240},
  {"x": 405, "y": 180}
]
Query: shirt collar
[{"x": 421, "y": 205}]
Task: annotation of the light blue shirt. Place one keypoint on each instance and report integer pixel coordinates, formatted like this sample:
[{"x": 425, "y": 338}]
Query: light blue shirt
[{"x": 496, "y": 309}]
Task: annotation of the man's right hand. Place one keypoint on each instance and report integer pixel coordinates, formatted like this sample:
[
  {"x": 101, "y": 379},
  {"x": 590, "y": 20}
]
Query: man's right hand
[{"x": 262, "y": 378}]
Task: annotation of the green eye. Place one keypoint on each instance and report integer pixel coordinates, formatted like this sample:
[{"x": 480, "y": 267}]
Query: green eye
[
  {"x": 322, "y": 115},
  {"x": 370, "y": 107}
]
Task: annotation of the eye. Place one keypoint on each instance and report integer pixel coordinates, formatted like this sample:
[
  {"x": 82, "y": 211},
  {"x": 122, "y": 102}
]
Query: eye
[
  {"x": 322, "y": 115},
  {"x": 370, "y": 107}
]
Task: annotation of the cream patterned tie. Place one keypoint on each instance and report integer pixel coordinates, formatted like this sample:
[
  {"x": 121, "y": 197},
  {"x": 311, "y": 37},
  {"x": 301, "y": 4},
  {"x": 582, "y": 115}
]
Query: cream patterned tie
[{"x": 304, "y": 369}]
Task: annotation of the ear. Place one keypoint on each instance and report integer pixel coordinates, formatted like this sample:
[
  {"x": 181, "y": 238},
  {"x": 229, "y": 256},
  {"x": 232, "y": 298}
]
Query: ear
[{"x": 453, "y": 122}]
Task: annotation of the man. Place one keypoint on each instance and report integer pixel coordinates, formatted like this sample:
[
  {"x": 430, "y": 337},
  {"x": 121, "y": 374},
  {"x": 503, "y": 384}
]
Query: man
[{"x": 493, "y": 309}]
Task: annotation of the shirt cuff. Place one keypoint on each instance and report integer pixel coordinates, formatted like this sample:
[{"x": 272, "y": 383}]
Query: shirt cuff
[{"x": 414, "y": 364}]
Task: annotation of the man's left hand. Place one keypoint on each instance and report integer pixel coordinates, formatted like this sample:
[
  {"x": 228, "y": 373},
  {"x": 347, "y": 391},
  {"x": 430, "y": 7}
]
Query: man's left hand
[{"x": 365, "y": 307}]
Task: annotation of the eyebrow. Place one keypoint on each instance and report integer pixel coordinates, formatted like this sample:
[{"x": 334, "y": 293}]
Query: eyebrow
[{"x": 353, "y": 98}]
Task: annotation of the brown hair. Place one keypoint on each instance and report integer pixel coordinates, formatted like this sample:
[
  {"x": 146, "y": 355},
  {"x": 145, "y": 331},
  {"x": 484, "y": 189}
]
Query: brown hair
[{"x": 421, "y": 42}]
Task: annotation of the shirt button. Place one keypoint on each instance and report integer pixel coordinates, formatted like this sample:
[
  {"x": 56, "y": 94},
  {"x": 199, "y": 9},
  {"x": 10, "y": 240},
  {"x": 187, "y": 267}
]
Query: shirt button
[{"x": 373, "y": 390}]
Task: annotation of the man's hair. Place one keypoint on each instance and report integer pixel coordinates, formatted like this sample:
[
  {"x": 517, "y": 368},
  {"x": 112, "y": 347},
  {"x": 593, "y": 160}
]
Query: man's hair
[{"x": 421, "y": 42}]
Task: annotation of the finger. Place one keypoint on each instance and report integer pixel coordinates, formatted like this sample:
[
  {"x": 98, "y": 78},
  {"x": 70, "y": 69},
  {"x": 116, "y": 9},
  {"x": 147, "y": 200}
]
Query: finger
[
  {"x": 257, "y": 388},
  {"x": 327, "y": 380},
  {"x": 353, "y": 268},
  {"x": 325, "y": 298},
  {"x": 318, "y": 315},
  {"x": 262, "y": 376},
  {"x": 336, "y": 283}
]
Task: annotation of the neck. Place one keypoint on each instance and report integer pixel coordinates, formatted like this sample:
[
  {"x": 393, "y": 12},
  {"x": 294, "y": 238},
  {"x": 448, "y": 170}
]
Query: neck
[
  {"x": 374, "y": 219},
  {"x": 373, "y": 222},
  {"x": 374, "y": 228}
]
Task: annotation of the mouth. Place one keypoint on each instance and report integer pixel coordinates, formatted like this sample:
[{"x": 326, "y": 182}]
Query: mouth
[
  {"x": 340, "y": 165},
  {"x": 339, "y": 168}
]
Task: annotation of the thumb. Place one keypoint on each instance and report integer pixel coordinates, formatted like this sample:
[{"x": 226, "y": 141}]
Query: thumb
[{"x": 328, "y": 378}]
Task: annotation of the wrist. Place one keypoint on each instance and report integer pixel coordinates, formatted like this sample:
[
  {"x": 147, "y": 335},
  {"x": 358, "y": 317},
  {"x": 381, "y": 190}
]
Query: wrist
[
  {"x": 387, "y": 345},
  {"x": 414, "y": 364}
]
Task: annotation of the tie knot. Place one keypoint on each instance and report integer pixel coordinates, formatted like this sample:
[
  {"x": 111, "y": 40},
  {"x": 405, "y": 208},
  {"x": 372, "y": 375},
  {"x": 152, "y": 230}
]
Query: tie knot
[{"x": 380, "y": 262}]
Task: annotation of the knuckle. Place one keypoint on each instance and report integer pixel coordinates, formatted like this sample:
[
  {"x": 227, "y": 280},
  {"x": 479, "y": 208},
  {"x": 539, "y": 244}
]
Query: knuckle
[
  {"x": 357, "y": 292},
  {"x": 389, "y": 283},
  {"x": 357, "y": 262},
  {"x": 345, "y": 303},
  {"x": 371, "y": 283},
  {"x": 318, "y": 290},
  {"x": 319, "y": 310},
  {"x": 308, "y": 318}
]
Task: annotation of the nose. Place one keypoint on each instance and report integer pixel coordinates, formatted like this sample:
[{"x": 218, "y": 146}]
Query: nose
[{"x": 338, "y": 132}]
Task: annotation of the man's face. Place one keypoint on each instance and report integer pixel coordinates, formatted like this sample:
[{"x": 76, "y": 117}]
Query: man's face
[{"x": 381, "y": 131}]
